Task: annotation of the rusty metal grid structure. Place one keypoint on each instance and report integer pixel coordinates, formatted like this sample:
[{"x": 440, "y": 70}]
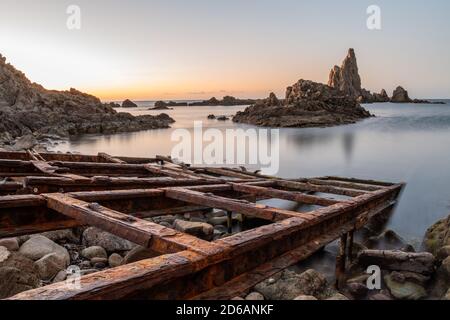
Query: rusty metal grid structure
[{"x": 52, "y": 191}]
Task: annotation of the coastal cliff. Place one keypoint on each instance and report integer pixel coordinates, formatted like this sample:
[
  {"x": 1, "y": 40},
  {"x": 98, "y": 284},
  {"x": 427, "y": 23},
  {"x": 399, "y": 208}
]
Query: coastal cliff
[{"x": 27, "y": 108}]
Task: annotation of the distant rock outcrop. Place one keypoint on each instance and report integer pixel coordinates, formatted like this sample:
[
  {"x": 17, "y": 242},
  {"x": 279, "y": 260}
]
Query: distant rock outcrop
[
  {"x": 129, "y": 104},
  {"x": 28, "y": 108},
  {"x": 400, "y": 95},
  {"x": 346, "y": 78},
  {"x": 307, "y": 104},
  {"x": 160, "y": 105},
  {"x": 226, "y": 101}
]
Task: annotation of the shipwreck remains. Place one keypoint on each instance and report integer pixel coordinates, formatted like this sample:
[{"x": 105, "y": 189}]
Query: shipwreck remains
[{"x": 44, "y": 192}]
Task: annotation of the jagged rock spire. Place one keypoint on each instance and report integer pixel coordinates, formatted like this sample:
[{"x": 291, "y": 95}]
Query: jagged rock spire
[{"x": 346, "y": 78}]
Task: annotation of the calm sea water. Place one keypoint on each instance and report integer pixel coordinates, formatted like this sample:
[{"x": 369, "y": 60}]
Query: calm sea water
[{"x": 405, "y": 142}]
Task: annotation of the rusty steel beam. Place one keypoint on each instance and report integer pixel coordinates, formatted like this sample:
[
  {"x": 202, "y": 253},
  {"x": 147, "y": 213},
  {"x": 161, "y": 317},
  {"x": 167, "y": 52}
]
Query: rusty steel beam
[
  {"x": 139, "y": 231},
  {"x": 239, "y": 206},
  {"x": 297, "y": 185},
  {"x": 286, "y": 195},
  {"x": 108, "y": 158},
  {"x": 345, "y": 184},
  {"x": 267, "y": 248}
]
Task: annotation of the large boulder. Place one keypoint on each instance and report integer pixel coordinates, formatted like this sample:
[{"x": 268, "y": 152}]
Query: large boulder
[
  {"x": 199, "y": 229},
  {"x": 441, "y": 280},
  {"x": 65, "y": 235},
  {"x": 95, "y": 237},
  {"x": 402, "y": 289},
  {"x": 400, "y": 95},
  {"x": 25, "y": 142},
  {"x": 94, "y": 252},
  {"x": 422, "y": 262},
  {"x": 12, "y": 244},
  {"x": 139, "y": 253},
  {"x": 39, "y": 246},
  {"x": 437, "y": 236},
  {"x": 388, "y": 240},
  {"x": 50, "y": 265},
  {"x": 17, "y": 273},
  {"x": 288, "y": 285}
]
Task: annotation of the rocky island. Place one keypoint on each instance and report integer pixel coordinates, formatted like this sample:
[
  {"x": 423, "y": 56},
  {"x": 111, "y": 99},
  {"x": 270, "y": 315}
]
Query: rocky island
[
  {"x": 312, "y": 104},
  {"x": 226, "y": 101},
  {"x": 307, "y": 104},
  {"x": 28, "y": 109}
]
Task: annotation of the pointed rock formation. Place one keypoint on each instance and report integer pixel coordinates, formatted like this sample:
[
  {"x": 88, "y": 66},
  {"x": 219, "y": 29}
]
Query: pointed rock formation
[
  {"x": 400, "y": 95},
  {"x": 346, "y": 78},
  {"x": 381, "y": 97},
  {"x": 272, "y": 100}
]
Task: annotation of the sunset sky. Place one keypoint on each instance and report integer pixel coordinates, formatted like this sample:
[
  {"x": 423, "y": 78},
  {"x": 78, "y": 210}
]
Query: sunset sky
[{"x": 195, "y": 49}]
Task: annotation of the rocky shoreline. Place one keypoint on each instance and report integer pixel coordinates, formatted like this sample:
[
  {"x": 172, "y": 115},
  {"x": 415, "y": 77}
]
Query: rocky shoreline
[
  {"x": 405, "y": 274},
  {"x": 29, "y": 262},
  {"x": 28, "y": 109}
]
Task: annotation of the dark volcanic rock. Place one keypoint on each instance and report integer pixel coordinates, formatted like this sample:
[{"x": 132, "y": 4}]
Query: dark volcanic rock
[
  {"x": 28, "y": 108},
  {"x": 307, "y": 104},
  {"x": 226, "y": 101},
  {"x": 129, "y": 104},
  {"x": 381, "y": 97},
  {"x": 400, "y": 95},
  {"x": 160, "y": 105}
]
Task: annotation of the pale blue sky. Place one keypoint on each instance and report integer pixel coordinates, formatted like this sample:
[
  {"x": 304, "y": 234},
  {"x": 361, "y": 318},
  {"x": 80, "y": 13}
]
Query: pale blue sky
[{"x": 171, "y": 49}]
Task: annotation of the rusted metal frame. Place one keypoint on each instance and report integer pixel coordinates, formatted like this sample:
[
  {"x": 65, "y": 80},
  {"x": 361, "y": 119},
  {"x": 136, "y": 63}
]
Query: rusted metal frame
[
  {"x": 318, "y": 188},
  {"x": 21, "y": 155},
  {"x": 11, "y": 168},
  {"x": 122, "y": 281},
  {"x": 236, "y": 171},
  {"x": 355, "y": 180},
  {"x": 244, "y": 282},
  {"x": 341, "y": 261},
  {"x": 154, "y": 274},
  {"x": 226, "y": 173},
  {"x": 350, "y": 242},
  {"x": 57, "y": 184},
  {"x": 170, "y": 173},
  {"x": 239, "y": 206},
  {"x": 171, "y": 211},
  {"x": 286, "y": 195},
  {"x": 95, "y": 168},
  {"x": 344, "y": 184},
  {"x": 28, "y": 214},
  {"x": 21, "y": 201},
  {"x": 9, "y": 187},
  {"x": 139, "y": 231},
  {"x": 108, "y": 158},
  {"x": 252, "y": 248},
  {"x": 50, "y": 170},
  {"x": 360, "y": 207}
]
